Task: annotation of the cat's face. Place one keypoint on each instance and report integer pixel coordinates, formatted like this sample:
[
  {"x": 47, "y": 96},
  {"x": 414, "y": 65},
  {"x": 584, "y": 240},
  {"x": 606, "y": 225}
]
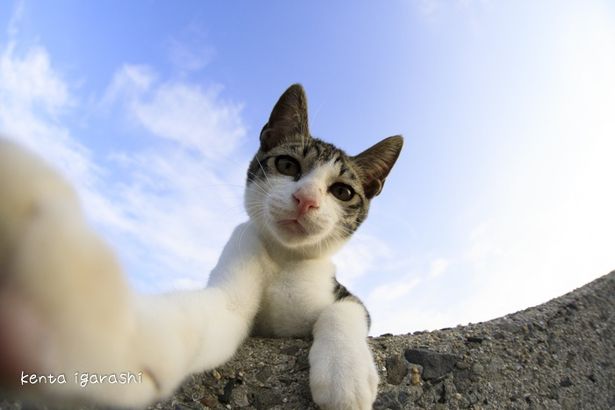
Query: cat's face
[{"x": 305, "y": 193}]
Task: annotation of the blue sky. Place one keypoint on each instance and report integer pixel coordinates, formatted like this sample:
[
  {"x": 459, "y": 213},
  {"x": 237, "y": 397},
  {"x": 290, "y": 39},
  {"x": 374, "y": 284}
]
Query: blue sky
[{"x": 502, "y": 197}]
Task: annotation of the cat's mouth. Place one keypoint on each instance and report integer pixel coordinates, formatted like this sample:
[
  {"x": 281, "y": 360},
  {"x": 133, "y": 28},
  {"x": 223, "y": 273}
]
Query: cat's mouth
[{"x": 293, "y": 225}]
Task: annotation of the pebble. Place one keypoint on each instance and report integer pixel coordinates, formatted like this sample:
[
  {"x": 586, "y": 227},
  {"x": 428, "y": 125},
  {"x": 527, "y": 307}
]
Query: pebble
[{"x": 415, "y": 378}]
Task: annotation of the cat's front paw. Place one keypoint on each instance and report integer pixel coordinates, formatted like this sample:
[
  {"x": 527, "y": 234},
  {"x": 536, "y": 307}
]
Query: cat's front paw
[{"x": 343, "y": 378}]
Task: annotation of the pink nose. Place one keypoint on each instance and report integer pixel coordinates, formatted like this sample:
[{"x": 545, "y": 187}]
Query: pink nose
[{"x": 305, "y": 201}]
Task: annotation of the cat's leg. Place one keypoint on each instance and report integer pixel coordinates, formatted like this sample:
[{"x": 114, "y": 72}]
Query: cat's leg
[
  {"x": 203, "y": 329},
  {"x": 342, "y": 370}
]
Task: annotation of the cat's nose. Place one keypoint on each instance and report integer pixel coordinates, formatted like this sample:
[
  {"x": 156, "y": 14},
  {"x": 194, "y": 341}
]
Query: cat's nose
[{"x": 306, "y": 200}]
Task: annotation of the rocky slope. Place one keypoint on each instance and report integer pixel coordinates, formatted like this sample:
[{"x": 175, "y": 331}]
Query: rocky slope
[{"x": 559, "y": 355}]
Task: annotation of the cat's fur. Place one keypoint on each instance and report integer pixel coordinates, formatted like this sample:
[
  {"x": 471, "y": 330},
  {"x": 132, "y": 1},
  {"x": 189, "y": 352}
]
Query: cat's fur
[{"x": 65, "y": 306}]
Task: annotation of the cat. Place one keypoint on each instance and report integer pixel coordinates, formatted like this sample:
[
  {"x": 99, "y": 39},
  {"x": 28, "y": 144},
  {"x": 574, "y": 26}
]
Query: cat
[{"x": 66, "y": 308}]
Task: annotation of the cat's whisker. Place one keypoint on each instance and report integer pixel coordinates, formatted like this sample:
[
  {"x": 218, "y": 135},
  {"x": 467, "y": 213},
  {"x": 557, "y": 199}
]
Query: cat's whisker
[
  {"x": 264, "y": 173},
  {"x": 257, "y": 213},
  {"x": 257, "y": 177},
  {"x": 261, "y": 188},
  {"x": 266, "y": 181}
]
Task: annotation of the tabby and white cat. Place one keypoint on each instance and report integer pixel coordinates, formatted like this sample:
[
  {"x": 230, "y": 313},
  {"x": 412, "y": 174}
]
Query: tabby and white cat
[{"x": 65, "y": 306}]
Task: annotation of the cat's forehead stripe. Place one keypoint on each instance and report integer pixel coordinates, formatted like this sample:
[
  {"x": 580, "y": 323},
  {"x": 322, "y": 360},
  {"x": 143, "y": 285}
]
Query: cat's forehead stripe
[
  {"x": 323, "y": 153},
  {"x": 318, "y": 150},
  {"x": 311, "y": 153}
]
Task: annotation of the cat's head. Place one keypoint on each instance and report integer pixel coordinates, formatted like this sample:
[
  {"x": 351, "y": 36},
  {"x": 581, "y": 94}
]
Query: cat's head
[{"x": 304, "y": 193}]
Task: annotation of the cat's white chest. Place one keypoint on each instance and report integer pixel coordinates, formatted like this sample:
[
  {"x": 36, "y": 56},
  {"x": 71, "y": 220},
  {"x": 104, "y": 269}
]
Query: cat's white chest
[{"x": 294, "y": 297}]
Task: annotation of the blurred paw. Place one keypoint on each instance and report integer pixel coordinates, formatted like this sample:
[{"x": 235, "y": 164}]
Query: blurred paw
[{"x": 65, "y": 306}]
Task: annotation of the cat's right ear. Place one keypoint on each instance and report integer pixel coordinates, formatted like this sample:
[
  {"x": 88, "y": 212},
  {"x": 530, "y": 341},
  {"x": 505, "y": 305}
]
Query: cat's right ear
[
  {"x": 376, "y": 162},
  {"x": 288, "y": 120}
]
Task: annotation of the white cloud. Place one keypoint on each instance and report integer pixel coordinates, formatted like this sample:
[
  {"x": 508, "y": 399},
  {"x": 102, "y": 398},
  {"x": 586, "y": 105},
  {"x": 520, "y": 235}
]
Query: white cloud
[
  {"x": 364, "y": 253},
  {"x": 32, "y": 96},
  {"x": 31, "y": 81},
  {"x": 190, "y": 50},
  {"x": 128, "y": 83},
  {"x": 178, "y": 210},
  {"x": 16, "y": 17},
  {"x": 388, "y": 293},
  {"x": 178, "y": 111},
  {"x": 180, "y": 199},
  {"x": 33, "y": 99},
  {"x": 409, "y": 319},
  {"x": 409, "y": 298},
  {"x": 192, "y": 117}
]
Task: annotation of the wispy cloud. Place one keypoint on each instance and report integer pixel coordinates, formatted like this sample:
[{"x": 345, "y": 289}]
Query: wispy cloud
[
  {"x": 364, "y": 254},
  {"x": 407, "y": 298},
  {"x": 389, "y": 293},
  {"x": 33, "y": 97},
  {"x": 179, "y": 212},
  {"x": 129, "y": 83},
  {"x": 181, "y": 198},
  {"x": 190, "y": 50},
  {"x": 192, "y": 117},
  {"x": 181, "y": 112},
  {"x": 31, "y": 81},
  {"x": 15, "y": 20}
]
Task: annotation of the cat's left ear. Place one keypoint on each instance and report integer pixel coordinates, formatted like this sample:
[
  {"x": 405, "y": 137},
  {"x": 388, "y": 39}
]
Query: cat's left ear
[
  {"x": 288, "y": 120},
  {"x": 376, "y": 162}
]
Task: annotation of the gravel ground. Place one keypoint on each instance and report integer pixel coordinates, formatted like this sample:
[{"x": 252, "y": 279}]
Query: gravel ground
[{"x": 559, "y": 355}]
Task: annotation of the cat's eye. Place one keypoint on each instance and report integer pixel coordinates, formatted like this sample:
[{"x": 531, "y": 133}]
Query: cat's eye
[
  {"x": 288, "y": 166},
  {"x": 341, "y": 191}
]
